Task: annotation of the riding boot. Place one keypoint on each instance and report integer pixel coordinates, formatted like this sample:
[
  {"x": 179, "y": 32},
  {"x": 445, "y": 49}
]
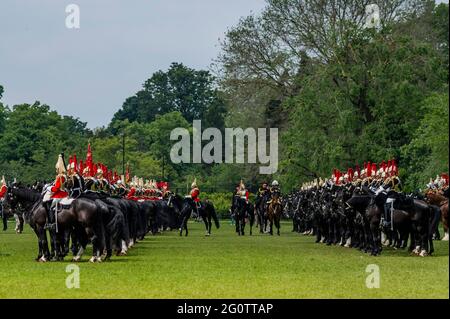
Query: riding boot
[
  {"x": 51, "y": 211},
  {"x": 386, "y": 215},
  {"x": 392, "y": 216},
  {"x": 198, "y": 219}
]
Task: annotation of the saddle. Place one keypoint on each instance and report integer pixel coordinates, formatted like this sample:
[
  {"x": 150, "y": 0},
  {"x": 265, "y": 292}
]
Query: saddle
[{"x": 65, "y": 203}]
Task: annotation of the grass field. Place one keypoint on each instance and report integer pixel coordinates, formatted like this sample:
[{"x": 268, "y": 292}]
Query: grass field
[{"x": 224, "y": 266}]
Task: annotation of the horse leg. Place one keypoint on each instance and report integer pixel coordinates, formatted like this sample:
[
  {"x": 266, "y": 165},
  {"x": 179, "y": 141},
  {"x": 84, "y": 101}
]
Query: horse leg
[
  {"x": 42, "y": 234},
  {"x": 318, "y": 234},
  {"x": 40, "y": 247},
  {"x": 81, "y": 242},
  {"x": 444, "y": 220},
  {"x": 182, "y": 226},
  {"x": 4, "y": 220},
  {"x": 108, "y": 246},
  {"x": 261, "y": 223},
  {"x": 21, "y": 222},
  {"x": 205, "y": 221},
  {"x": 415, "y": 238},
  {"x": 330, "y": 234},
  {"x": 277, "y": 224},
  {"x": 237, "y": 218},
  {"x": 97, "y": 246}
]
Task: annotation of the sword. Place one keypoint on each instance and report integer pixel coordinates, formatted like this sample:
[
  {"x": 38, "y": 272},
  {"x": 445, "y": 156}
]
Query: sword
[{"x": 56, "y": 216}]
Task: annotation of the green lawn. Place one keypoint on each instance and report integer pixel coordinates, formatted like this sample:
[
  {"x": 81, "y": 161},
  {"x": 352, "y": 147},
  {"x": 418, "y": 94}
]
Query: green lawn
[{"x": 224, "y": 266}]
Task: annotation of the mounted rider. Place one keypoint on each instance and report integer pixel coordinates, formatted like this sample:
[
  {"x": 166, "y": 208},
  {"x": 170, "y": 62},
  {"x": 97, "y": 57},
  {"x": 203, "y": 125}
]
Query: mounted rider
[
  {"x": 194, "y": 194},
  {"x": 3, "y": 191},
  {"x": 274, "y": 190},
  {"x": 156, "y": 192},
  {"x": 132, "y": 193},
  {"x": 120, "y": 189},
  {"x": 243, "y": 192},
  {"x": 392, "y": 185},
  {"x": 57, "y": 191},
  {"x": 263, "y": 191},
  {"x": 74, "y": 179},
  {"x": 101, "y": 184},
  {"x": 3, "y": 188}
]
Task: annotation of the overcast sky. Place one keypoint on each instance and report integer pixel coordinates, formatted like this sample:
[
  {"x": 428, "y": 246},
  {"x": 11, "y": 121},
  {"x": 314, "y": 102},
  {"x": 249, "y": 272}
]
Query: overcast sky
[{"x": 89, "y": 72}]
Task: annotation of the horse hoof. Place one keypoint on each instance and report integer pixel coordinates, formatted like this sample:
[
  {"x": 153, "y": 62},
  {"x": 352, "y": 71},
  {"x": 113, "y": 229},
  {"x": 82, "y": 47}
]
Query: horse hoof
[
  {"x": 445, "y": 238},
  {"x": 92, "y": 260},
  {"x": 43, "y": 259},
  {"x": 423, "y": 253}
]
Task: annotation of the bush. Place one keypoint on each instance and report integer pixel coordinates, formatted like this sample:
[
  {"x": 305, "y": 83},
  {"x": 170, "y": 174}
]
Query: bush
[{"x": 221, "y": 201}]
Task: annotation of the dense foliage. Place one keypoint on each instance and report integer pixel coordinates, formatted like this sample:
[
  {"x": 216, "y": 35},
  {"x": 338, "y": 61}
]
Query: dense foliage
[{"x": 339, "y": 92}]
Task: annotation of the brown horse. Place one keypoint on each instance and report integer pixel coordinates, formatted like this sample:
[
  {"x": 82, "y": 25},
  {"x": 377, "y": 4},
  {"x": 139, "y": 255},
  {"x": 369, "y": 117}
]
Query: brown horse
[
  {"x": 274, "y": 211},
  {"x": 441, "y": 201}
]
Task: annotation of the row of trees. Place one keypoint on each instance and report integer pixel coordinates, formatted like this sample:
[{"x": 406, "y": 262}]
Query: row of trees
[{"x": 339, "y": 92}]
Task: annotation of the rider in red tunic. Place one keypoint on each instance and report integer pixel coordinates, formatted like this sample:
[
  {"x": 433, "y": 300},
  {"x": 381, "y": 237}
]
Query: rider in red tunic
[
  {"x": 131, "y": 194},
  {"x": 3, "y": 191},
  {"x": 3, "y": 188},
  {"x": 195, "y": 192},
  {"x": 58, "y": 190}
]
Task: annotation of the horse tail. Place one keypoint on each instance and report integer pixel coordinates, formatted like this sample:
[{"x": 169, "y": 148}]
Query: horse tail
[
  {"x": 214, "y": 215},
  {"x": 115, "y": 227}
]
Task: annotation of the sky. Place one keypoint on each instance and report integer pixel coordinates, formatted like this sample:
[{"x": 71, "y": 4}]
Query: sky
[{"x": 89, "y": 72}]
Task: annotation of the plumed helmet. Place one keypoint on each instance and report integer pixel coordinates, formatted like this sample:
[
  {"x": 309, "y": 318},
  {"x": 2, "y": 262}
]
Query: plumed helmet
[
  {"x": 275, "y": 183},
  {"x": 3, "y": 181},
  {"x": 194, "y": 183},
  {"x": 60, "y": 168},
  {"x": 99, "y": 171},
  {"x": 438, "y": 178}
]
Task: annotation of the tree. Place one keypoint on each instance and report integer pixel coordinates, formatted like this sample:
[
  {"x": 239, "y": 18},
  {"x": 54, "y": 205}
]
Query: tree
[
  {"x": 427, "y": 154},
  {"x": 180, "y": 89},
  {"x": 32, "y": 138}
]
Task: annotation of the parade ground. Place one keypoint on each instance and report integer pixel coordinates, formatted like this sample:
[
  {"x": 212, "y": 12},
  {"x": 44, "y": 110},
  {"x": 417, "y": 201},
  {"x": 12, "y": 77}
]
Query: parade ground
[{"x": 224, "y": 266}]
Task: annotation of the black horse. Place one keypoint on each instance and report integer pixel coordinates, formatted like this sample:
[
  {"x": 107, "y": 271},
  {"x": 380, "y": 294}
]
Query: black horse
[
  {"x": 83, "y": 217},
  {"x": 243, "y": 211},
  {"x": 261, "y": 211},
  {"x": 206, "y": 211}
]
